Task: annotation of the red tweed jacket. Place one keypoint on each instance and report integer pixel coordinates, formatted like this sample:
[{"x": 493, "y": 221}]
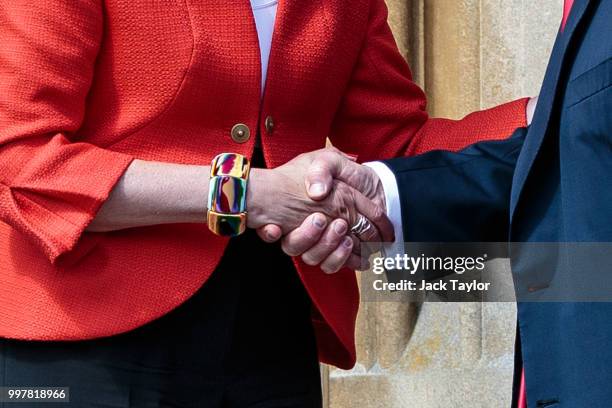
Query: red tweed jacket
[{"x": 86, "y": 86}]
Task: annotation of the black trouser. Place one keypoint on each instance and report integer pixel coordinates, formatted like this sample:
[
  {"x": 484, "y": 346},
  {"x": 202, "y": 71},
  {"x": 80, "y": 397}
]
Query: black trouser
[{"x": 244, "y": 340}]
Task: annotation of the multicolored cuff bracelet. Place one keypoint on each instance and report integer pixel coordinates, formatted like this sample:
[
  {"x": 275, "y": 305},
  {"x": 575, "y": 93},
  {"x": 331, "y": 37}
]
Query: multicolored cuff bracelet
[{"x": 227, "y": 212}]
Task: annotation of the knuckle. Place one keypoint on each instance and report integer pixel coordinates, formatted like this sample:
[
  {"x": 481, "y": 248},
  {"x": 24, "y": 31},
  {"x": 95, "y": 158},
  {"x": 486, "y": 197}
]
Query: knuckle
[
  {"x": 308, "y": 235},
  {"x": 378, "y": 214},
  {"x": 325, "y": 269},
  {"x": 309, "y": 259},
  {"x": 288, "y": 248},
  {"x": 329, "y": 154},
  {"x": 327, "y": 242},
  {"x": 316, "y": 172},
  {"x": 342, "y": 188},
  {"x": 330, "y": 267}
]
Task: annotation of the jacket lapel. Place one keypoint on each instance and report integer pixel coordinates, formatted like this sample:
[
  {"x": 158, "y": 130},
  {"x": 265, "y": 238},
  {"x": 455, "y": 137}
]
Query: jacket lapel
[
  {"x": 292, "y": 43},
  {"x": 546, "y": 102}
]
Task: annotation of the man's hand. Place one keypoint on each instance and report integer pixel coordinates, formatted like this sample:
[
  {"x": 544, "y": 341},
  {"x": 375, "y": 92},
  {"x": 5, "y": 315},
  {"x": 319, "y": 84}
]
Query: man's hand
[{"x": 324, "y": 243}]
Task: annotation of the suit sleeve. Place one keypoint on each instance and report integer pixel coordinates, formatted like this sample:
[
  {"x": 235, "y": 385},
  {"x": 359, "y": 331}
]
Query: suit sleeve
[
  {"x": 383, "y": 112},
  {"x": 458, "y": 196},
  {"x": 51, "y": 186}
]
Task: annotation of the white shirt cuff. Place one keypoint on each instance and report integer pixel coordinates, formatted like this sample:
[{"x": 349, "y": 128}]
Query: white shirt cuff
[{"x": 394, "y": 209}]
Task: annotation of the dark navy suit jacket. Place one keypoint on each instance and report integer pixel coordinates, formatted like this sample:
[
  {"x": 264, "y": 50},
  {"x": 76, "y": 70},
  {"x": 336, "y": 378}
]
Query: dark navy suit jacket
[{"x": 551, "y": 182}]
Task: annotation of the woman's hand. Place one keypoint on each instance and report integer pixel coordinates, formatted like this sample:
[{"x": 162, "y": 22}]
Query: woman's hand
[{"x": 281, "y": 197}]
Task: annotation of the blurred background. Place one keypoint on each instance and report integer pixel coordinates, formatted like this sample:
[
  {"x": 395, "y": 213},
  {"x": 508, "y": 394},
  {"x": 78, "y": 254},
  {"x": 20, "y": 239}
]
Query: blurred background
[{"x": 467, "y": 55}]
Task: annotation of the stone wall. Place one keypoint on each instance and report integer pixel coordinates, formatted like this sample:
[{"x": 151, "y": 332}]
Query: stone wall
[{"x": 468, "y": 55}]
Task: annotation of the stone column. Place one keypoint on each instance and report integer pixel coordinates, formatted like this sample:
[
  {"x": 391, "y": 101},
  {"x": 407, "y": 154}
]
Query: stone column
[{"x": 467, "y": 55}]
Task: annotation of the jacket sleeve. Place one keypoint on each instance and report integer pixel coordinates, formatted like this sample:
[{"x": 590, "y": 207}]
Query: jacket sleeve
[
  {"x": 383, "y": 113},
  {"x": 50, "y": 186},
  {"x": 458, "y": 196}
]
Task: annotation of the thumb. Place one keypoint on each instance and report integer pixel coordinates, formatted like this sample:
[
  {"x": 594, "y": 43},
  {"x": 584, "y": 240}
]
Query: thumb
[
  {"x": 270, "y": 233},
  {"x": 320, "y": 175}
]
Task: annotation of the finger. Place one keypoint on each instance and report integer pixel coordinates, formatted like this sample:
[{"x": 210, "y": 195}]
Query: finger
[
  {"x": 334, "y": 262},
  {"x": 330, "y": 165},
  {"x": 356, "y": 245},
  {"x": 371, "y": 234},
  {"x": 330, "y": 240},
  {"x": 270, "y": 233},
  {"x": 365, "y": 249},
  {"x": 376, "y": 215},
  {"x": 320, "y": 175},
  {"x": 325, "y": 167},
  {"x": 305, "y": 236},
  {"x": 370, "y": 241},
  {"x": 356, "y": 263}
]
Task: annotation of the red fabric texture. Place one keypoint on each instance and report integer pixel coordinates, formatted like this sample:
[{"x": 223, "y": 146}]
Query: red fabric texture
[{"x": 86, "y": 86}]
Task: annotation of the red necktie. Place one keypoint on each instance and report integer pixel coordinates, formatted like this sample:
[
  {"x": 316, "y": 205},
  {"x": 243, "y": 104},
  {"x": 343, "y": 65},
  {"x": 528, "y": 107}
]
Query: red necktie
[
  {"x": 522, "y": 401},
  {"x": 567, "y": 7}
]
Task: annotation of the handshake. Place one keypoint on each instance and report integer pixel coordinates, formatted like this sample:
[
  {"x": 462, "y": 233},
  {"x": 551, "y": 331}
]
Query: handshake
[{"x": 322, "y": 205}]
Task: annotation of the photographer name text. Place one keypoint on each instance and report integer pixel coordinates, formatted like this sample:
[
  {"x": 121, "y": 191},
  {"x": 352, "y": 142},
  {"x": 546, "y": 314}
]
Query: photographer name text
[{"x": 439, "y": 285}]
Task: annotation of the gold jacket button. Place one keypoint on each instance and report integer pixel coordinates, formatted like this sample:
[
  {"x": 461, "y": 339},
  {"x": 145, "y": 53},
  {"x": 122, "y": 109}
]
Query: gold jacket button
[
  {"x": 269, "y": 124},
  {"x": 240, "y": 133}
]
